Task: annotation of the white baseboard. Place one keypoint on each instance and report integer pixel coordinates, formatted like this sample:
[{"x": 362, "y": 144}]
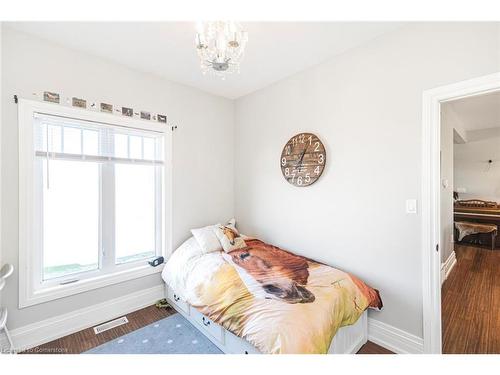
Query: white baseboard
[
  {"x": 393, "y": 338},
  {"x": 447, "y": 266},
  {"x": 47, "y": 330}
]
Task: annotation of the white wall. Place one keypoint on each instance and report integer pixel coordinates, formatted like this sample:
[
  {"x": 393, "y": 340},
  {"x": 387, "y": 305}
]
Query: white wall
[
  {"x": 471, "y": 167},
  {"x": 450, "y": 123},
  {"x": 203, "y": 147},
  {"x": 366, "y": 107},
  {"x": 1, "y": 127}
]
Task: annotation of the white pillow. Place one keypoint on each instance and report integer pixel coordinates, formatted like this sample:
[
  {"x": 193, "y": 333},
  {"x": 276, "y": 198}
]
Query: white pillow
[{"x": 207, "y": 239}]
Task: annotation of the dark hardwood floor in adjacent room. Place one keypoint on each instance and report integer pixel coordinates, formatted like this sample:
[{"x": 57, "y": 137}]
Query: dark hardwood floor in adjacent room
[
  {"x": 471, "y": 302},
  {"x": 86, "y": 339}
]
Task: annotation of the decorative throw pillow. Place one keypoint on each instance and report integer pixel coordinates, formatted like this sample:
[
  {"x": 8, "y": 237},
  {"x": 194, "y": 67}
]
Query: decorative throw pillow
[
  {"x": 232, "y": 224},
  {"x": 229, "y": 237},
  {"x": 207, "y": 239}
]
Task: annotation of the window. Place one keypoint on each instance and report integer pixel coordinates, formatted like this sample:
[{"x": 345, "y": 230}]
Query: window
[
  {"x": 92, "y": 199},
  {"x": 70, "y": 217}
]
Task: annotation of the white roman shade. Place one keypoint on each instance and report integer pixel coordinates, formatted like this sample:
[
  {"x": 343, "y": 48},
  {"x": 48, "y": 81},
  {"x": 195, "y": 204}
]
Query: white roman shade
[{"x": 57, "y": 137}]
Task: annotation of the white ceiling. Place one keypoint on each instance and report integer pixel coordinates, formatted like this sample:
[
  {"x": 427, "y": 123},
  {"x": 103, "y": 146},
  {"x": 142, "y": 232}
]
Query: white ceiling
[
  {"x": 478, "y": 112},
  {"x": 274, "y": 51}
]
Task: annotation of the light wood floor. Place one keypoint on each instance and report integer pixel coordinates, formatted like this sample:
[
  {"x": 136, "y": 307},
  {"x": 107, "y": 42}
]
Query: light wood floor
[
  {"x": 471, "y": 302},
  {"x": 86, "y": 339}
]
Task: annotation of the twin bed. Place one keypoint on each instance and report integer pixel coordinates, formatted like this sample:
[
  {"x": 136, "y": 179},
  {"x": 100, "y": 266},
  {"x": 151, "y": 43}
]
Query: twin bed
[{"x": 259, "y": 298}]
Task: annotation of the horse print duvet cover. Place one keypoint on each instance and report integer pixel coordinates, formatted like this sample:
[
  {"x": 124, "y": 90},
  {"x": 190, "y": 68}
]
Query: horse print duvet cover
[{"x": 278, "y": 301}]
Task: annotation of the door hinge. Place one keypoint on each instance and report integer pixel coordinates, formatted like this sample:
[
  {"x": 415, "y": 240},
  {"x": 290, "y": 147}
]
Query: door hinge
[{"x": 437, "y": 247}]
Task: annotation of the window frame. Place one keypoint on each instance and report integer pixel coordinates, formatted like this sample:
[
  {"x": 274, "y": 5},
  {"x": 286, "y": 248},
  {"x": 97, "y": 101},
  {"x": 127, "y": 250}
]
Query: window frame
[{"x": 29, "y": 259}]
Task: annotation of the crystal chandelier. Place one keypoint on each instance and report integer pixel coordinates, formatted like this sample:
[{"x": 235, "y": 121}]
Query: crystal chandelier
[{"x": 220, "y": 47}]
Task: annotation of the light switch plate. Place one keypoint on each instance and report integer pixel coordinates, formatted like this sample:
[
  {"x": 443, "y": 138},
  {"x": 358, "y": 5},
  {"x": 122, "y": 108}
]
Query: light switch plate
[{"x": 411, "y": 206}]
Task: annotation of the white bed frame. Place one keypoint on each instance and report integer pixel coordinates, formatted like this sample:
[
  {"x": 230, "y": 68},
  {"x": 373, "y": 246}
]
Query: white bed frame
[{"x": 348, "y": 340}]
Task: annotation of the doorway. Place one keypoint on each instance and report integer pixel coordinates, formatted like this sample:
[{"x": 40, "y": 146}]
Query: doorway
[
  {"x": 432, "y": 242},
  {"x": 470, "y": 220}
]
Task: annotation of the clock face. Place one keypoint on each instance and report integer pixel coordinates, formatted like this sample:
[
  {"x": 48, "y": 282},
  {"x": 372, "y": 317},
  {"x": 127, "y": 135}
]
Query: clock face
[{"x": 303, "y": 159}]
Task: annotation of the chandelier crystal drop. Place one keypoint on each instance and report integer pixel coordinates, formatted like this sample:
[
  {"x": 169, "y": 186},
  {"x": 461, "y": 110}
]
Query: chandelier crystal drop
[{"x": 220, "y": 46}]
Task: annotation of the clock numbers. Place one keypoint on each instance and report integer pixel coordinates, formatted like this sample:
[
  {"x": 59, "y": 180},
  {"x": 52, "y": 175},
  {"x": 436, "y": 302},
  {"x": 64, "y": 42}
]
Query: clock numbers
[{"x": 303, "y": 159}]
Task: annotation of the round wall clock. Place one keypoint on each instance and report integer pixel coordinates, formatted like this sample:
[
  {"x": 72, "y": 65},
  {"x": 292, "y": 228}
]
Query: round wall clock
[{"x": 303, "y": 159}]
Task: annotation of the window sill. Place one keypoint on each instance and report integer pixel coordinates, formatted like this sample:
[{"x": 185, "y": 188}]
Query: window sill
[{"x": 35, "y": 297}]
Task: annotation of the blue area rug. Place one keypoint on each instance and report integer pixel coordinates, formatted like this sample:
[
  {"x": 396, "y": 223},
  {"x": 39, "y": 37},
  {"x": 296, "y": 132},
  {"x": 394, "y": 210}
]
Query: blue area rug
[{"x": 172, "y": 335}]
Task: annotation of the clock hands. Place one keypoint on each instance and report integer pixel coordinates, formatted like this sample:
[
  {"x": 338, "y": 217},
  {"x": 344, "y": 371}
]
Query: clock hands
[{"x": 301, "y": 157}]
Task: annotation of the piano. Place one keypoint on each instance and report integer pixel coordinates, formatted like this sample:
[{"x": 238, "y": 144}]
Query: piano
[{"x": 478, "y": 211}]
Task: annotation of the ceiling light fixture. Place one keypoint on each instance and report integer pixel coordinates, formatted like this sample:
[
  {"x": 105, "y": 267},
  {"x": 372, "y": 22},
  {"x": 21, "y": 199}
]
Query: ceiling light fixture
[{"x": 220, "y": 46}]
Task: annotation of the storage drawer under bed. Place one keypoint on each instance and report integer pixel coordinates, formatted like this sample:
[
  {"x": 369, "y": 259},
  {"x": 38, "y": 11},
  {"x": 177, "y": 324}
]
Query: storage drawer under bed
[
  {"x": 177, "y": 301},
  {"x": 212, "y": 328}
]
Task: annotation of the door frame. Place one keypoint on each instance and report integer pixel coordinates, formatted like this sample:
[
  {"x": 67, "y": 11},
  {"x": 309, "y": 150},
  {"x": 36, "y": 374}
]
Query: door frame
[{"x": 431, "y": 202}]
